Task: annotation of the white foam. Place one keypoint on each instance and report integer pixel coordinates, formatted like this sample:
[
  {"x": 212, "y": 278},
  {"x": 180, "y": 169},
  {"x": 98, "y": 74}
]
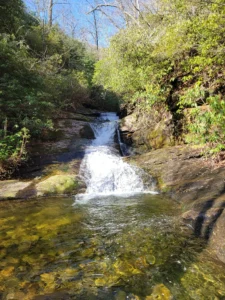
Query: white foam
[{"x": 104, "y": 171}]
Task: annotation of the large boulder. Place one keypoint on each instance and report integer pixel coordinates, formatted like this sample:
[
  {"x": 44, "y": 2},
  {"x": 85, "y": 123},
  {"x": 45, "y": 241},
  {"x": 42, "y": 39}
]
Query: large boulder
[
  {"x": 57, "y": 185},
  {"x": 147, "y": 132}
]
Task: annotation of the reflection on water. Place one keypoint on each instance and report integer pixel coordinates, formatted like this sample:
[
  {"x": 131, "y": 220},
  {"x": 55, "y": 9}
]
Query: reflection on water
[{"x": 107, "y": 248}]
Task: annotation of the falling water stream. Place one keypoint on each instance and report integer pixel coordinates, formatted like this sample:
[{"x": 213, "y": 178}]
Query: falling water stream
[
  {"x": 117, "y": 241},
  {"x": 104, "y": 171}
]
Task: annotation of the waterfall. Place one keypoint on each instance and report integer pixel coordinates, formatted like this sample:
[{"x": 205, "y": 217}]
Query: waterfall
[
  {"x": 123, "y": 147},
  {"x": 103, "y": 169}
]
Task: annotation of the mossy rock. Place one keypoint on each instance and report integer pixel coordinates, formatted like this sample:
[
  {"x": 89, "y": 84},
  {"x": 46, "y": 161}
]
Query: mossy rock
[
  {"x": 148, "y": 133},
  {"x": 57, "y": 184},
  {"x": 160, "y": 292}
]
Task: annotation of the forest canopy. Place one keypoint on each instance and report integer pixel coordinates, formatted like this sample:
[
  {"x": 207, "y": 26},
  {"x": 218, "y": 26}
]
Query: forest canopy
[{"x": 172, "y": 58}]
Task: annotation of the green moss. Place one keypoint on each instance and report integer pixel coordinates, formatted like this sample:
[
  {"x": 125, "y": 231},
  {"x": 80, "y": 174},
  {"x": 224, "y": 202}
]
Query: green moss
[
  {"x": 158, "y": 138},
  {"x": 57, "y": 184}
]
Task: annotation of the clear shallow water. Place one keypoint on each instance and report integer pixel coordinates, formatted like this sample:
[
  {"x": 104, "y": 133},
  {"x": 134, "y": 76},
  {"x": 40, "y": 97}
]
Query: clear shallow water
[
  {"x": 108, "y": 248},
  {"x": 104, "y": 245}
]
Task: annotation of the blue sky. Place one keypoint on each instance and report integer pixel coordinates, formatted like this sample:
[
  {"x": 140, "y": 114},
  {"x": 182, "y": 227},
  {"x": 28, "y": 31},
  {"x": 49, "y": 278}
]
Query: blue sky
[{"x": 74, "y": 18}]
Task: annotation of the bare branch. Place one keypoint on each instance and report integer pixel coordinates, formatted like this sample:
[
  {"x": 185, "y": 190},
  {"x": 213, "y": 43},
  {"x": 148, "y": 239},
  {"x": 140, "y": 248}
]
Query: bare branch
[
  {"x": 110, "y": 19},
  {"x": 101, "y": 5}
]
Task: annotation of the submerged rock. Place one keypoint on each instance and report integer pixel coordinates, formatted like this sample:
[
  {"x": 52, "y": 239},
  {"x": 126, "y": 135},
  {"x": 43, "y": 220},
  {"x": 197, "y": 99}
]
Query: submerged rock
[
  {"x": 160, "y": 292},
  {"x": 15, "y": 296},
  {"x": 124, "y": 268},
  {"x": 108, "y": 280},
  {"x": 121, "y": 295}
]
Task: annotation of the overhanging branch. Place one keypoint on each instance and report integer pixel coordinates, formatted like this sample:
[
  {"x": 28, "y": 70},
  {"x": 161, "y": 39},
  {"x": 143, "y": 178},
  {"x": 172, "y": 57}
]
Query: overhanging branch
[{"x": 98, "y": 7}]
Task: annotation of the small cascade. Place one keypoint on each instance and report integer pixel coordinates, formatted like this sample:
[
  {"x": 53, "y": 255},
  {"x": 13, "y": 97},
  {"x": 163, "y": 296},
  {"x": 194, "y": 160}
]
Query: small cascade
[
  {"x": 103, "y": 169},
  {"x": 123, "y": 147}
]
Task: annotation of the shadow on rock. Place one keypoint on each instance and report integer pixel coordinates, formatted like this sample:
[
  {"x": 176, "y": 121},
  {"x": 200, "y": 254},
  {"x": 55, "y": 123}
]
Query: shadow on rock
[{"x": 28, "y": 192}]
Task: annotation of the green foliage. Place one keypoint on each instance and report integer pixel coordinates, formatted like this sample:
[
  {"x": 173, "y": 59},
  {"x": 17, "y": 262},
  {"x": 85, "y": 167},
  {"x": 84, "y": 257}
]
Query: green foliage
[
  {"x": 208, "y": 124},
  {"x": 173, "y": 61},
  {"x": 191, "y": 96},
  {"x": 11, "y": 12},
  {"x": 13, "y": 146},
  {"x": 105, "y": 99},
  {"x": 42, "y": 71}
]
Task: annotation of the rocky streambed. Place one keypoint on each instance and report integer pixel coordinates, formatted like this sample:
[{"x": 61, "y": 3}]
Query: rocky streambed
[
  {"x": 139, "y": 247},
  {"x": 186, "y": 176},
  {"x": 181, "y": 172}
]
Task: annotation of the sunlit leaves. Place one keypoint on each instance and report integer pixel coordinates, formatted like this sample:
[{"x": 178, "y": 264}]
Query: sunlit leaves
[
  {"x": 42, "y": 72},
  {"x": 174, "y": 59}
]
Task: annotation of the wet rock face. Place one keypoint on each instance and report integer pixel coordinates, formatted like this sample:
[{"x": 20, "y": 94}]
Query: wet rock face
[
  {"x": 209, "y": 223},
  {"x": 86, "y": 132},
  {"x": 72, "y": 132},
  {"x": 184, "y": 173},
  {"x": 147, "y": 133}
]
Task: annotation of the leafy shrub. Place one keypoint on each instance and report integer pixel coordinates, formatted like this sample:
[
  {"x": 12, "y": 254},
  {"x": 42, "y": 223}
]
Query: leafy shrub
[{"x": 175, "y": 59}]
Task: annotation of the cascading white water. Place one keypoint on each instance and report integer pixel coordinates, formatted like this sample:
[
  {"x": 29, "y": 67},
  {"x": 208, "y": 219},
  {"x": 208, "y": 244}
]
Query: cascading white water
[{"x": 103, "y": 169}]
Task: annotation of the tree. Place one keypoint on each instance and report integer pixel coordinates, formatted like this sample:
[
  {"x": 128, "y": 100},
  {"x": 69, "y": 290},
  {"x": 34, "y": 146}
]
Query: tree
[
  {"x": 43, "y": 71},
  {"x": 45, "y": 10},
  {"x": 174, "y": 60},
  {"x": 50, "y": 12},
  {"x": 126, "y": 9},
  {"x": 11, "y": 12}
]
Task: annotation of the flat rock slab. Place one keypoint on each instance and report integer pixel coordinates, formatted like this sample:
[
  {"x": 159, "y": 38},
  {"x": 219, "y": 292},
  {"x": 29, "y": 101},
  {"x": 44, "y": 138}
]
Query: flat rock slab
[
  {"x": 185, "y": 174},
  {"x": 62, "y": 184},
  {"x": 10, "y": 189}
]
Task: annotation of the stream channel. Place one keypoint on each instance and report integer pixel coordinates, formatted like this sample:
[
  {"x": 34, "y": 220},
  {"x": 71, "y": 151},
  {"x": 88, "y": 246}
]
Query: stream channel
[{"x": 119, "y": 240}]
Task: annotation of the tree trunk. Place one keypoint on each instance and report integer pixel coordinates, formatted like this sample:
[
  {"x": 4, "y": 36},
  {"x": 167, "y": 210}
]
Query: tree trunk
[
  {"x": 50, "y": 11},
  {"x": 137, "y": 6},
  {"x": 96, "y": 30},
  {"x": 5, "y": 127}
]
